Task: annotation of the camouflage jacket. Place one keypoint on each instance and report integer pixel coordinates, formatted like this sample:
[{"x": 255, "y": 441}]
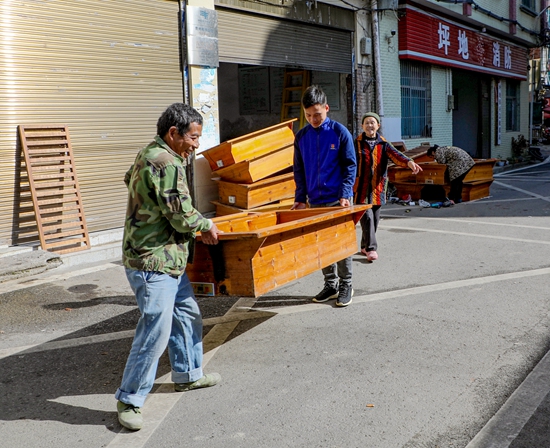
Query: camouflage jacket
[{"x": 160, "y": 218}]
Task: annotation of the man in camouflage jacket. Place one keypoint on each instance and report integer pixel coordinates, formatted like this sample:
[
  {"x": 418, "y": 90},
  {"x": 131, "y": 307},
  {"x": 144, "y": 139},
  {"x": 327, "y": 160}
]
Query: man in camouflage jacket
[{"x": 160, "y": 223}]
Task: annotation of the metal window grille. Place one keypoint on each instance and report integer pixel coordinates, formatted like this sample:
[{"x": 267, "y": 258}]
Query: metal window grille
[
  {"x": 416, "y": 101},
  {"x": 512, "y": 106}
]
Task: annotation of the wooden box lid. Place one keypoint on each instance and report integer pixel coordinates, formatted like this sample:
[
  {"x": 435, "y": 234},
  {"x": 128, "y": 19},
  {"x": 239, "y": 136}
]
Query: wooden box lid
[
  {"x": 253, "y": 170},
  {"x": 250, "y": 146}
]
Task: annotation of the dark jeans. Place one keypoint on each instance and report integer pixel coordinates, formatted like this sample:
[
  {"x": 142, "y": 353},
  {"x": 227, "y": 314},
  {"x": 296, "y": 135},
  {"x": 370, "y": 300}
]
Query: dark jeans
[
  {"x": 369, "y": 224},
  {"x": 342, "y": 271}
]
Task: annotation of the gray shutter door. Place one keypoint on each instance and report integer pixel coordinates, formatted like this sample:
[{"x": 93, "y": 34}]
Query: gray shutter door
[
  {"x": 107, "y": 70},
  {"x": 262, "y": 40}
]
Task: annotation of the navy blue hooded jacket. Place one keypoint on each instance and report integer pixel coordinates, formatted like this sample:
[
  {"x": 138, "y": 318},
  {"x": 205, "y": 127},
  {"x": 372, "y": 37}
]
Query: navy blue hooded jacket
[{"x": 324, "y": 163}]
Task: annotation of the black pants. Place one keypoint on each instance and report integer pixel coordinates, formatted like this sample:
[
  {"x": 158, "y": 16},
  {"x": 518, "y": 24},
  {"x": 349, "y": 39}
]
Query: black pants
[
  {"x": 369, "y": 224},
  {"x": 455, "y": 194}
]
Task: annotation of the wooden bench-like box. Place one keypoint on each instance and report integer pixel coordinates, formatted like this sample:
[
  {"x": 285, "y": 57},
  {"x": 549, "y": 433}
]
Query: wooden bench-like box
[
  {"x": 250, "y": 146},
  {"x": 476, "y": 183},
  {"x": 259, "y": 252},
  {"x": 259, "y": 193}
]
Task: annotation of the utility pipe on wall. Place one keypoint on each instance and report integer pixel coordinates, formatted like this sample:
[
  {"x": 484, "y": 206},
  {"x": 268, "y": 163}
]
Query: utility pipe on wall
[{"x": 377, "y": 64}]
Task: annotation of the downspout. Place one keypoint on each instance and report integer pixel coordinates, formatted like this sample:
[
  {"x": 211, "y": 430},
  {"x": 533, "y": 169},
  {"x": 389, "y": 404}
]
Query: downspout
[{"x": 377, "y": 64}]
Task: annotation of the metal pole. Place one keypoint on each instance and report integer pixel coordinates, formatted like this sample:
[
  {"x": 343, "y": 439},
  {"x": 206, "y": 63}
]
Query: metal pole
[{"x": 377, "y": 64}]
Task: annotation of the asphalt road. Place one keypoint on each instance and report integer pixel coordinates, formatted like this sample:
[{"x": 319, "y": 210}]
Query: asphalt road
[{"x": 441, "y": 347}]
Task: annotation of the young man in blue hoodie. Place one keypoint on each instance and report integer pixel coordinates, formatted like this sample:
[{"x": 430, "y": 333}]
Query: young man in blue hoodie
[{"x": 324, "y": 172}]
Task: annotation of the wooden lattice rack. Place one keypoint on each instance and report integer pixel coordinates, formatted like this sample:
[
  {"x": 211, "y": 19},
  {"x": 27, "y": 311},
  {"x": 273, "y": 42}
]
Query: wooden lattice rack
[{"x": 54, "y": 188}]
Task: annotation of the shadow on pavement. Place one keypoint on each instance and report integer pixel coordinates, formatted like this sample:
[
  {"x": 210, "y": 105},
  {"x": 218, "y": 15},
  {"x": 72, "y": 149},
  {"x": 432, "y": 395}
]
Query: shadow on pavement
[{"x": 38, "y": 383}]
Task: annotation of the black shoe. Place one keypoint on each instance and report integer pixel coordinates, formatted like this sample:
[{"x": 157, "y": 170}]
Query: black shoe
[
  {"x": 327, "y": 293},
  {"x": 344, "y": 295}
]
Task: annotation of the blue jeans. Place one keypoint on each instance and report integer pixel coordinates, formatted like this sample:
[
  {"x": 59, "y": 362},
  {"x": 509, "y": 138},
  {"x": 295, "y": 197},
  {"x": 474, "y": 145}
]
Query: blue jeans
[{"x": 170, "y": 316}]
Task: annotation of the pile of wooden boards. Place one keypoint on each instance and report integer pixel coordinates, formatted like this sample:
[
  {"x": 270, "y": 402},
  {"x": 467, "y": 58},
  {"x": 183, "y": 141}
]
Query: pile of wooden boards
[
  {"x": 254, "y": 172},
  {"x": 476, "y": 183}
]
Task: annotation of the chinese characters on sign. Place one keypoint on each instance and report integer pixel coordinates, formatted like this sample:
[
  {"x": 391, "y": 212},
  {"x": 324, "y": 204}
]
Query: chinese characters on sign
[
  {"x": 444, "y": 35},
  {"x": 428, "y": 38},
  {"x": 463, "y": 45}
]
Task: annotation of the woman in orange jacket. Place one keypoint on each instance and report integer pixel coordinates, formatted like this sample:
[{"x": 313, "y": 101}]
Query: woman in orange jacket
[{"x": 373, "y": 153}]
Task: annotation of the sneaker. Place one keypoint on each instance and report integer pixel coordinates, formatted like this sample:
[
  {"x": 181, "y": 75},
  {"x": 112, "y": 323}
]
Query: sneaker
[
  {"x": 344, "y": 295},
  {"x": 327, "y": 293},
  {"x": 129, "y": 416},
  {"x": 208, "y": 380},
  {"x": 364, "y": 251},
  {"x": 372, "y": 255}
]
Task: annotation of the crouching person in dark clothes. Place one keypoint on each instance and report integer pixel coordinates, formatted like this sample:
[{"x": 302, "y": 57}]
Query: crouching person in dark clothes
[
  {"x": 160, "y": 223},
  {"x": 458, "y": 162}
]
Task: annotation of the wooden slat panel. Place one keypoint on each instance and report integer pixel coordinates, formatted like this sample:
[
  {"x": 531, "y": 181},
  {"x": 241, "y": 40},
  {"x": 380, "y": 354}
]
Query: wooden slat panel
[{"x": 62, "y": 199}]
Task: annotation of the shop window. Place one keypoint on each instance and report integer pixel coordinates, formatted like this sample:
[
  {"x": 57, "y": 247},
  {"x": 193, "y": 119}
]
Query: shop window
[
  {"x": 416, "y": 101},
  {"x": 512, "y": 105}
]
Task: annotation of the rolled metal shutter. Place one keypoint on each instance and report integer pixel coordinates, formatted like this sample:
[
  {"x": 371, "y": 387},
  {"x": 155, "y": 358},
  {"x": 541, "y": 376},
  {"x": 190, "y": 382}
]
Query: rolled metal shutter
[
  {"x": 262, "y": 40},
  {"x": 106, "y": 69}
]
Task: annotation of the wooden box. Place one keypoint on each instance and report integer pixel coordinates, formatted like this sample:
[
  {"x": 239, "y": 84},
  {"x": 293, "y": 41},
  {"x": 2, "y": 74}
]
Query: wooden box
[
  {"x": 406, "y": 188},
  {"x": 400, "y": 174},
  {"x": 253, "y": 170},
  {"x": 476, "y": 190},
  {"x": 259, "y": 193},
  {"x": 432, "y": 173},
  {"x": 250, "y": 146},
  {"x": 482, "y": 170},
  {"x": 224, "y": 209},
  {"x": 259, "y": 252}
]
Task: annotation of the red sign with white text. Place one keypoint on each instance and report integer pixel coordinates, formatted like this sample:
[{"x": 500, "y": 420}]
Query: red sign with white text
[{"x": 431, "y": 39}]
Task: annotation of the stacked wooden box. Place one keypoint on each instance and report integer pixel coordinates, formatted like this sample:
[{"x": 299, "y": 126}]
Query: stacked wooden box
[
  {"x": 254, "y": 171},
  {"x": 477, "y": 182}
]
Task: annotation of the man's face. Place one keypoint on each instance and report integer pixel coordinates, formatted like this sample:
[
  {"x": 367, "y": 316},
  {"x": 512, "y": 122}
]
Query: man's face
[
  {"x": 185, "y": 144},
  {"x": 370, "y": 126},
  {"x": 316, "y": 114}
]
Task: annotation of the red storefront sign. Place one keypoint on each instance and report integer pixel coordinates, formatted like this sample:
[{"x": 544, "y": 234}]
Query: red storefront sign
[{"x": 431, "y": 39}]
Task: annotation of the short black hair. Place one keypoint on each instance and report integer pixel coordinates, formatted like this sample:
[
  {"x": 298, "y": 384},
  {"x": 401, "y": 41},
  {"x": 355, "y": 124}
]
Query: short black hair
[
  {"x": 179, "y": 115},
  {"x": 312, "y": 96},
  {"x": 432, "y": 149}
]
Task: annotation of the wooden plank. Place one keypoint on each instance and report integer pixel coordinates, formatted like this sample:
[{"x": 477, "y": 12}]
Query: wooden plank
[
  {"x": 259, "y": 193},
  {"x": 250, "y": 146}
]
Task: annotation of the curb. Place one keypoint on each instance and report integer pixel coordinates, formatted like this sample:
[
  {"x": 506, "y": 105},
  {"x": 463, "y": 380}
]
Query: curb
[{"x": 506, "y": 425}]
